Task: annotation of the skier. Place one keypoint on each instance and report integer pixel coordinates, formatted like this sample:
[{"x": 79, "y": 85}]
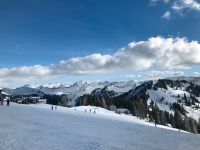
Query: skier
[
  {"x": 55, "y": 107},
  {"x": 1, "y": 98},
  {"x": 8, "y": 102},
  {"x": 52, "y": 107}
]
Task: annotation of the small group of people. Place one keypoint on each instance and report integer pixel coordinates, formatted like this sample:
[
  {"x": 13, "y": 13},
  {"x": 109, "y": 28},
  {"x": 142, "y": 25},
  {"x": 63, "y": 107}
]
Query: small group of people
[
  {"x": 8, "y": 102},
  {"x": 2, "y": 99},
  {"x": 53, "y": 107},
  {"x": 90, "y": 111}
]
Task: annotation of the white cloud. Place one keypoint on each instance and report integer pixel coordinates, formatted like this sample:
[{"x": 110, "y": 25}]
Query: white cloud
[
  {"x": 166, "y": 1},
  {"x": 196, "y": 73},
  {"x": 167, "y": 15},
  {"x": 178, "y": 6},
  {"x": 161, "y": 74},
  {"x": 25, "y": 72},
  {"x": 155, "y": 74},
  {"x": 155, "y": 1},
  {"x": 186, "y": 4},
  {"x": 132, "y": 76},
  {"x": 10, "y": 76},
  {"x": 156, "y": 52}
]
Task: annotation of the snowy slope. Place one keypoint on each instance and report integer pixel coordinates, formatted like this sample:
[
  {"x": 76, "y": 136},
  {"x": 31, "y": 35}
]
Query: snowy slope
[
  {"x": 29, "y": 127},
  {"x": 165, "y": 97},
  {"x": 169, "y": 96},
  {"x": 122, "y": 87},
  {"x": 156, "y": 96}
]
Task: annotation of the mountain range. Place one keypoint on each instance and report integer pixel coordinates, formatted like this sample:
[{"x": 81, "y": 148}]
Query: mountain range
[
  {"x": 162, "y": 91},
  {"x": 153, "y": 99}
]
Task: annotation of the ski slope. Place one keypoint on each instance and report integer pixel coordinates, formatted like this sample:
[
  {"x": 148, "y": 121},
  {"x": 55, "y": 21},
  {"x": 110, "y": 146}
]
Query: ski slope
[{"x": 37, "y": 127}]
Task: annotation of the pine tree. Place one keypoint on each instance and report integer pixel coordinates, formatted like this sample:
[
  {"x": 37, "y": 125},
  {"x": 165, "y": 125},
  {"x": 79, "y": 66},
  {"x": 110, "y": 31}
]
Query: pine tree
[
  {"x": 198, "y": 126},
  {"x": 167, "y": 116},
  {"x": 187, "y": 126},
  {"x": 172, "y": 121},
  {"x": 178, "y": 120},
  {"x": 162, "y": 118},
  {"x": 155, "y": 113},
  {"x": 162, "y": 99},
  {"x": 187, "y": 101},
  {"x": 193, "y": 125}
]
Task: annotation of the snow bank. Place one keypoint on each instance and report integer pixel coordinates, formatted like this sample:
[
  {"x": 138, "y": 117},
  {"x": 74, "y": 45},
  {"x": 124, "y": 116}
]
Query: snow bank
[
  {"x": 36, "y": 127},
  {"x": 98, "y": 112}
]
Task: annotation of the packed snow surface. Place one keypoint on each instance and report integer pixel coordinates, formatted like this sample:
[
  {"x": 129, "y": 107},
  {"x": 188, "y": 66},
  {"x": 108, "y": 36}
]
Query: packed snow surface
[{"x": 34, "y": 127}]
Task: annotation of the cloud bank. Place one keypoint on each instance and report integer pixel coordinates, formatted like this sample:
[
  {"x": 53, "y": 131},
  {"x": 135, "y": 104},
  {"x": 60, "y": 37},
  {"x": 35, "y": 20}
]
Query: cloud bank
[
  {"x": 155, "y": 74},
  {"x": 154, "y": 53}
]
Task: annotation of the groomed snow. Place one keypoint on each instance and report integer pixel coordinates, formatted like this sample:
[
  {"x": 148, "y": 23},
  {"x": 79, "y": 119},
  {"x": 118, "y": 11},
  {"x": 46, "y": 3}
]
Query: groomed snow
[
  {"x": 97, "y": 112},
  {"x": 34, "y": 127}
]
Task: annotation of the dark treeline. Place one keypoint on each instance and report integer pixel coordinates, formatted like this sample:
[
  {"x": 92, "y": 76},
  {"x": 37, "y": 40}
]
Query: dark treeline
[
  {"x": 60, "y": 100},
  {"x": 139, "y": 104},
  {"x": 139, "y": 108},
  {"x": 136, "y": 101}
]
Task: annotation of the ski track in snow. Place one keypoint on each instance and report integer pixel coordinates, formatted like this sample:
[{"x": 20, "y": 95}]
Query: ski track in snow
[{"x": 32, "y": 128}]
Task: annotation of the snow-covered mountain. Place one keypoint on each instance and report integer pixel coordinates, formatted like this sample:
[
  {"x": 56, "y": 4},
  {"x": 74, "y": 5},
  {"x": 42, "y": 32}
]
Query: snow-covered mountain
[
  {"x": 183, "y": 91},
  {"x": 24, "y": 90},
  {"x": 166, "y": 96},
  {"x": 158, "y": 99},
  {"x": 163, "y": 92},
  {"x": 115, "y": 88},
  {"x": 72, "y": 91},
  {"x": 195, "y": 80}
]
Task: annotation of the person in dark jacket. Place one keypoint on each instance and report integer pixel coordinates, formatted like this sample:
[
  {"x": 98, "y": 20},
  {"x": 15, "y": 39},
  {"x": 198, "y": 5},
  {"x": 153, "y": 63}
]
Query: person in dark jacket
[
  {"x": 1, "y": 97},
  {"x": 8, "y": 102}
]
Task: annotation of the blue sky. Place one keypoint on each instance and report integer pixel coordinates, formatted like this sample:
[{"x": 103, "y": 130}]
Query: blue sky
[{"x": 35, "y": 32}]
